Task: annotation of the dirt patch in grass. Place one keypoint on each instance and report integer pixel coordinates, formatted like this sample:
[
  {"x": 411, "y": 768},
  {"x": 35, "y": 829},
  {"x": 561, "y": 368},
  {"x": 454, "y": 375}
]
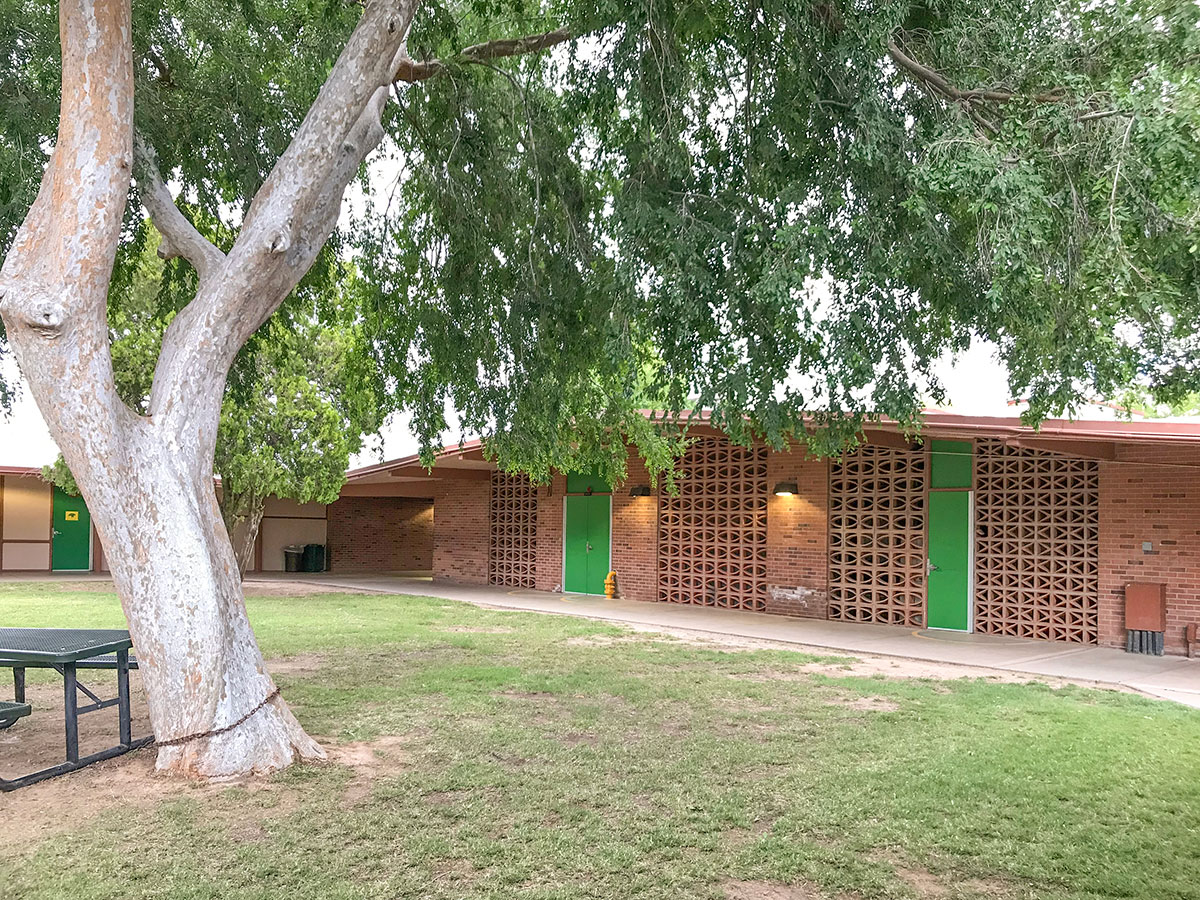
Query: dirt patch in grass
[
  {"x": 89, "y": 586},
  {"x": 529, "y": 695},
  {"x": 871, "y": 704},
  {"x": 928, "y": 886},
  {"x": 581, "y": 739},
  {"x": 990, "y": 887},
  {"x": 444, "y": 798},
  {"x": 370, "y": 760},
  {"x": 769, "y": 890},
  {"x": 300, "y": 664},
  {"x": 858, "y": 665},
  {"x": 36, "y": 742},
  {"x": 117, "y": 789},
  {"x": 738, "y": 837},
  {"x": 924, "y": 883},
  {"x": 256, "y": 588},
  {"x": 472, "y": 629},
  {"x": 603, "y": 640},
  {"x": 110, "y": 788},
  {"x": 453, "y": 870}
]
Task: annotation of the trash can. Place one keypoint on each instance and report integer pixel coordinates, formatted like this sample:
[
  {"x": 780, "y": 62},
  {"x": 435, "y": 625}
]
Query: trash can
[
  {"x": 293, "y": 557},
  {"x": 314, "y": 558}
]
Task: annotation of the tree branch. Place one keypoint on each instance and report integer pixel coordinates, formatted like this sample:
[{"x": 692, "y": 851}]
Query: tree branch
[
  {"x": 55, "y": 279},
  {"x": 939, "y": 83},
  {"x": 412, "y": 71},
  {"x": 180, "y": 237},
  {"x": 288, "y": 222},
  {"x": 78, "y": 209}
]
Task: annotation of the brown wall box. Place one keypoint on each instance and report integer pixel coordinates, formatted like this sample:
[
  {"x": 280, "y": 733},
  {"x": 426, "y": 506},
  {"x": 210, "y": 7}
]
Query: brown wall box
[{"x": 1145, "y": 606}]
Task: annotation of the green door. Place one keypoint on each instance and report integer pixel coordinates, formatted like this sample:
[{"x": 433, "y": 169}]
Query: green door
[
  {"x": 586, "y": 536},
  {"x": 71, "y": 547},
  {"x": 949, "y": 590}
]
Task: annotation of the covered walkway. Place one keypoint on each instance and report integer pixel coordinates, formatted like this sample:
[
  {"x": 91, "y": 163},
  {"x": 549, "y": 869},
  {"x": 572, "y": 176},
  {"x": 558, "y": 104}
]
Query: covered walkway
[{"x": 1168, "y": 677}]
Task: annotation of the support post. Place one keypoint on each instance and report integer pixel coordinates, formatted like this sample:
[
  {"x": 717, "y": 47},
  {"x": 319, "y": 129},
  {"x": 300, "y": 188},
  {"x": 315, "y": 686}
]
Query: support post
[
  {"x": 71, "y": 712},
  {"x": 123, "y": 697}
]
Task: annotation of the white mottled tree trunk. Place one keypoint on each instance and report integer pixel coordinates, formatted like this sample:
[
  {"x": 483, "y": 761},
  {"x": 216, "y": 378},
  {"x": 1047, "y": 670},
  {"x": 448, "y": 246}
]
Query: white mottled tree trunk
[
  {"x": 148, "y": 480},
  {"x": 181, "y": 590}
]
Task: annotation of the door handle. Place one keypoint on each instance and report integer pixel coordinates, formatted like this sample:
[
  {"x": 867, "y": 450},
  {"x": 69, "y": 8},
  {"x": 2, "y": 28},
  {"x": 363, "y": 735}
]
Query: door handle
[
  {"x": 930, "y": 568},
  {"x": 589, "y": 547}
]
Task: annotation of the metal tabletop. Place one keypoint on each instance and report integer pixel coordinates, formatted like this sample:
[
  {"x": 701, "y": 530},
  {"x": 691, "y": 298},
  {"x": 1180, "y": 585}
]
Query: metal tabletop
[{"x": 55, "y": 646}]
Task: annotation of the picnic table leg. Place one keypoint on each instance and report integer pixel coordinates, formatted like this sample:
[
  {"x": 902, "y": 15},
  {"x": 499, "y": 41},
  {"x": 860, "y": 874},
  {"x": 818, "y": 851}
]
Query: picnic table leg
[
  {"x": 71, "y": 711},
  {"x": 19, "y": 683},
  {"x": 123, "y": 697}
]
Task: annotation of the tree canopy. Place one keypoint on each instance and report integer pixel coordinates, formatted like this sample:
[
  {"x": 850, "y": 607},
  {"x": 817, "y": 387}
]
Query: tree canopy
[{"x": 766, "y": 208}]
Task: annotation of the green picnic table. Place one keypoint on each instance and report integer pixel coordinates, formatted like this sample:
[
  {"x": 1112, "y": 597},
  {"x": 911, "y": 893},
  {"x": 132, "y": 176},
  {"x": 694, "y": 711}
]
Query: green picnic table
[{"x": 66, "y": 650}]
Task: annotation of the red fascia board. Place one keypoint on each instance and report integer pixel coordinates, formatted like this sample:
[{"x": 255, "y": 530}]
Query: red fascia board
[
  {"x": 20, "y": 470},
  {"x": 384, "y": 467},
  {"x": 1062, "y": 428}
]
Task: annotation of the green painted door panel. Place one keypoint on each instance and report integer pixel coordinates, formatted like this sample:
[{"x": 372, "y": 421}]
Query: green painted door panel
[
  {"x": 582, "y": 482},
  {"x": 949, "y": 589},
  {"x": 71, "y": 540},
  {"x": 951, "y": 464},
  {"x": 575, "y": 555},
  {"x": 599, "y": 524},
  {"x": 586, "y": 535}
]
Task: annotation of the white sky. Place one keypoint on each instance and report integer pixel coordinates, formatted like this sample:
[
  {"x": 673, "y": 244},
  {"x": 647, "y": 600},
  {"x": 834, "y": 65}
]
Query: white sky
[{"x": 976, "y": 380}]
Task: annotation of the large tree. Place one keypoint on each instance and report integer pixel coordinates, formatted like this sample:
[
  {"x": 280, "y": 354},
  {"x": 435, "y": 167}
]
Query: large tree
[
  {"x": 300, "y": 398},
  {"x": 770, "y": 206}
]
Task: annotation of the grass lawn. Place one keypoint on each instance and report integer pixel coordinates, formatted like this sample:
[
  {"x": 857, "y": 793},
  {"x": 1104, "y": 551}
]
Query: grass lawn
[{"x": 514, "y": 755}]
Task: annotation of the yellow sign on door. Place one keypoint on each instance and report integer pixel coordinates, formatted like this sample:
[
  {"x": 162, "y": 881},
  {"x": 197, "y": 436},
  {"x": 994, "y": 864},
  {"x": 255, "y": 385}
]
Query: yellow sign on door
[{"x": 72, "y": 515}]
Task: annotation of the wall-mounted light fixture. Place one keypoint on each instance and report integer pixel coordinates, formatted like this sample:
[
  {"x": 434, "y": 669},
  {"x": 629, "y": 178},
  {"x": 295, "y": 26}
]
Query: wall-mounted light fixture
[
  {"x": 639, "y": 490},
  {"x": 786, "y": 489}
]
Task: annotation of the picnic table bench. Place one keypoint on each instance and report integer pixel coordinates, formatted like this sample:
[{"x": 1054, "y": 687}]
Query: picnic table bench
[
  {"x": 66, "y": 650},
  {"x": 10, "y": 712}
]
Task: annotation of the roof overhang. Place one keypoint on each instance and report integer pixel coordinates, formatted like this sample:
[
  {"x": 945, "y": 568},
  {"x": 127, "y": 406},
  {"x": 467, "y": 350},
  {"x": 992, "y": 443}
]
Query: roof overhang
[{"x": 1087, "y": 439}]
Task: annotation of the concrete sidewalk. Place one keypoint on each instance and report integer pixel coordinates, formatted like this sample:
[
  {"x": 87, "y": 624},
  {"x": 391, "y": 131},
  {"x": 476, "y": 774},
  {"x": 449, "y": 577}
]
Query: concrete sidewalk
[{"x": 1167, "y": 677}]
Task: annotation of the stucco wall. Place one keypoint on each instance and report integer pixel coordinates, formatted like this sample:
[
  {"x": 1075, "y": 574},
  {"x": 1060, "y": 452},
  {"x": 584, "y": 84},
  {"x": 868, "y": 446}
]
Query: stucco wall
[
  {"x": 24, "y": 523},
  {"x": 285, "y": 523}
]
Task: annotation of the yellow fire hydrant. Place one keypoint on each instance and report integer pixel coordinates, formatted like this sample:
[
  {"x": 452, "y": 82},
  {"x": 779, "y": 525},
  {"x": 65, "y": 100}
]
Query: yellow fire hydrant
[{"x": 610, "y": 585}]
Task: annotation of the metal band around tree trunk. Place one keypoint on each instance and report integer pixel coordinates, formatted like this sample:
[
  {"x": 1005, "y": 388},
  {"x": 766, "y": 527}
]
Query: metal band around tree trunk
[{"x": 218, "y": 731}]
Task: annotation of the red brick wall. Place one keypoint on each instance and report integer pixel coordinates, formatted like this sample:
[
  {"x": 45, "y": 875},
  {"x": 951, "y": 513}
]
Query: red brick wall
[
  {"x": 1160, "y": 503},
  {"x": 380, "y": 534},
  {"x": 635, "y": 536},
  {"x": 797, "y": 536},
  {"x": 461, "y": 530},
  {"x": 550, "y": 534}
]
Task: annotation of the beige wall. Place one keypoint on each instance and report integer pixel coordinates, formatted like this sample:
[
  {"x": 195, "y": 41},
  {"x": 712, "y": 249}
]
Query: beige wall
[
  {"x": 290, "y": 509},
  {"x": 26, "y": 509},
  {"x": 25, "y": 514},
  {"x": 285, "y": 523},
  {"x": 25, "y": 557},
  {"x": 25, "y": 527}
]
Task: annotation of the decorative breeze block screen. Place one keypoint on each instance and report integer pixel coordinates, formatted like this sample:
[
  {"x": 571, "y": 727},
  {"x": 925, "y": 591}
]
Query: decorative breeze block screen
[
  {"x": 877, "y": 512},
  {"x": 512, "y": 559},
  {"x": 712, "y": 537},
  {"x": 1036, "y": 544}
]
